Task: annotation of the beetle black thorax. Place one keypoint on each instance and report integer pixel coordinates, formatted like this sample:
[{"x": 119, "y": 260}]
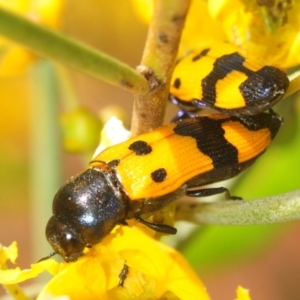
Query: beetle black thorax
[{"x": 86, "y": 209}]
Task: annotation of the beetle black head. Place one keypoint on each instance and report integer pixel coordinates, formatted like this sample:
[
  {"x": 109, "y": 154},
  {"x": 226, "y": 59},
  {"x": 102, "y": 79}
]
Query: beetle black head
[
  {"x": 64, "y": 240},
  {"x": 85, "y": 210}
]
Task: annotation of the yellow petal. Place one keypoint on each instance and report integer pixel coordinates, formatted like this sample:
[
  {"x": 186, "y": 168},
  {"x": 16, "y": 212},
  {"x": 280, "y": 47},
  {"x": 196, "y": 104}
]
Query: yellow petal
[
  {"x": 143, "y": 9},
  {"x": 14, "y": 60},
  {"x": 269, "y": 33},
  {"x": 112, "y": 133},
  {"x": 200, "y": 28},
  {"x": 49, "y": 11},
  {"x": 242, "y": 294},
  {"x": 164, "y": 265},
  {"x": 84, "y": 279},
  {"x": 16, "y": 275},
  {"x": 80, "y": 130},
  {"x": 8, "y": 253},
  {"x": 17, "y": 6},
  {"x": 154, "y": 271}
]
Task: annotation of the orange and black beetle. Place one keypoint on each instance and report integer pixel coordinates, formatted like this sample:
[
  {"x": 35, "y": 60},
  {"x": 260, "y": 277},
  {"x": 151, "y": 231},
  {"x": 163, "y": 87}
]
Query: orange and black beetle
[
  {"x": 145, "y": 173},
  {"x": 220, "y": 77}
]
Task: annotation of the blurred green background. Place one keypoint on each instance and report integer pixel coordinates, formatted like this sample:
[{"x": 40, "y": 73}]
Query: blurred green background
[{"x": 264, "y": 259}]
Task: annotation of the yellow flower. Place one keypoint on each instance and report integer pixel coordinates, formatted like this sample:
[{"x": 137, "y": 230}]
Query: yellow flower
[
  {"x": 13, "y": 58},
  {"x": 16, "y": 275},
  {"x": 268, "y": 33},
  {"x": 155, "y": 271},
  {"x": 112, "y": 133},
  {"x": 199, "y": 29},
  {"x": 143, "y": 9},
  {"x": 242, "y": 294},
  {"x": 80, "y": 130}
]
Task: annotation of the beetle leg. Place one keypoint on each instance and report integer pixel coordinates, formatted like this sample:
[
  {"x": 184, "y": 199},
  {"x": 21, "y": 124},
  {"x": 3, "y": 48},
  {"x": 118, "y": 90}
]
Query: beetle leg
[
  {"x": 210, "y": 192},
  {"x": 184, "y": 112},
  {"x": 157, "y": 227}
]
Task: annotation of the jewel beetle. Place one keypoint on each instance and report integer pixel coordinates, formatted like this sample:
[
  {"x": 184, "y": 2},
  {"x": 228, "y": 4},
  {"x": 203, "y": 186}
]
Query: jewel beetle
[
  {"x": 221, "y": 78},
  {"x": 145, "y": 173}
]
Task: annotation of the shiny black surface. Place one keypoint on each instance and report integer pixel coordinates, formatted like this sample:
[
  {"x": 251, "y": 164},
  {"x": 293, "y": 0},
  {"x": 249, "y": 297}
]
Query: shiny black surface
[{"x": 85, "y": 210}]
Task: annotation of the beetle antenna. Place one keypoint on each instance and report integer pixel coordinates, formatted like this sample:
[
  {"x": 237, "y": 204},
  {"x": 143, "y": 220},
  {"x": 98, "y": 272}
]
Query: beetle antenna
[{"x": 47, "y": 257}]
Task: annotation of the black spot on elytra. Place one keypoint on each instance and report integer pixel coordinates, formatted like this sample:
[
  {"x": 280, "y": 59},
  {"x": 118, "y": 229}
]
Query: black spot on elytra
[
  {"x": 140, "y": 148},
  {"x": 159, "y": 175}
]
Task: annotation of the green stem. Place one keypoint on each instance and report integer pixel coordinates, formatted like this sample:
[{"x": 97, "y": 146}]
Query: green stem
[
  {"x": 54, "y": 45},
  {"x": 69, "y": 97},
  {"x": 158, "y": 62},
  {"x": 269, "y": 210},
  {"x": 46, "y": 167}
]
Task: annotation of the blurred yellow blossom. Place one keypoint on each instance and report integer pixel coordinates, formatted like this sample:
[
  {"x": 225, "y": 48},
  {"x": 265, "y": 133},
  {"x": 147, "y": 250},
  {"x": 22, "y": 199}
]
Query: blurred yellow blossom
[
  {"x": 112, "y": 133},
  {"x": 8, "y": 253},
  {"x": 80, "y": 130},
  {"x": 143, "y": 9},
  {"x": 16, "y": 275},
  {"x": 242, "y": 294},
  {"x": 17, "y": 6},
  {"x": 270, "y": 30},
  {"x": 13, "y": 58},
  {"x": 199, "y": 29},
  {"x": 154, "y": 270},
  {"x": 266, "y": 30}
]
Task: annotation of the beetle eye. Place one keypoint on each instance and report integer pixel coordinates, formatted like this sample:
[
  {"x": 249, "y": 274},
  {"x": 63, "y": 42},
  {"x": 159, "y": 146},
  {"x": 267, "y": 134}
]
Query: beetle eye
[
  {"x": 63, "y": 240},
  {"x": 71, "y": 246}
]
